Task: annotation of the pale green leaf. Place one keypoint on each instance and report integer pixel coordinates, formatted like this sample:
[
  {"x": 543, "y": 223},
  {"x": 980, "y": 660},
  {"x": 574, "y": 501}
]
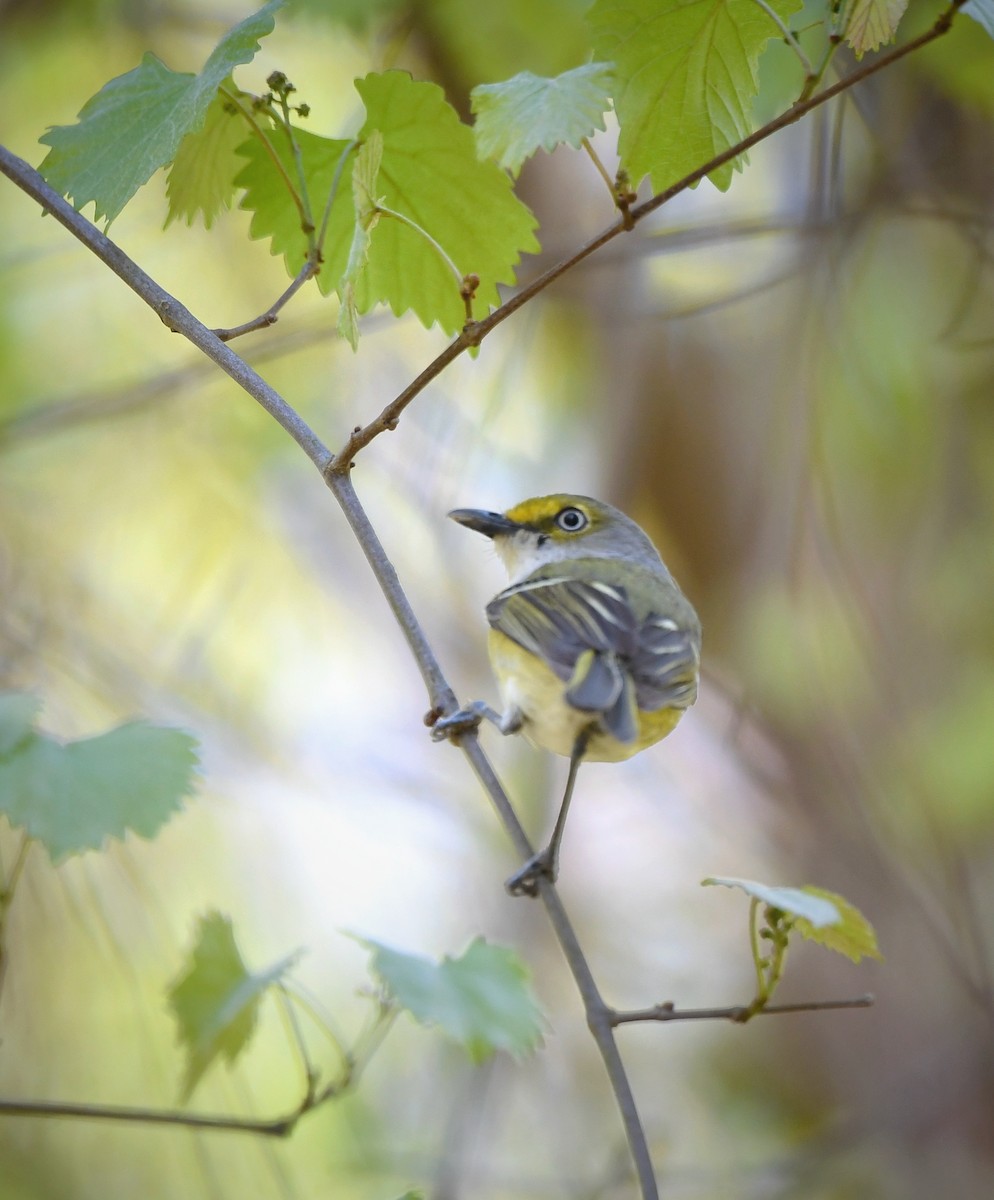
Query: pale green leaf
[
  {"x": 74, "y": 797},
  {"x": 17, "y": 713},
  {"x": 274, "y": 214},
  {"x": 686, "y": 77},
  {"x": 364, "y": 173},
  {"x": 528, "y": 113},
  {"x": 135, "y": 124},
  {"x": 982, "y": 11},
  {"x": 431, "y": 175},
  {"x": 816, "y": 909},
  {"x": 872, "y": 23},
  {"x": 852, "y": 935},
  {"x": 216, "y": 1000},
  {"x": 482, "y": 999},
  {"x": 201, "y": 179}
]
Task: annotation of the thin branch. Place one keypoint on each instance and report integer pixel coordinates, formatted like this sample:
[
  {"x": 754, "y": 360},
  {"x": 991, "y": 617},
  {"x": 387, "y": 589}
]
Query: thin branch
[
  {"x": 271, "y": 315},
  {"x": 278, "y": 1127},
  {"x": 789, "y": 38},
  {"x": 739, "y": 1013},
  {"x": 474, "y": 335}
]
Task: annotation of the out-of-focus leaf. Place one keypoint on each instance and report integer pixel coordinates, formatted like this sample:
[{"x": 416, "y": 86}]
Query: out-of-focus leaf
[
  {"x": 134, "y": 124},
  {"x": 852, "y": 936},
  {"x": 686, "y": 76},
  {"x": 482, "y": 999},
  {"x": 216, "y": 1001},
  {"x": 815, "y": 908},
  {"x": 873, "y": 23},
  {"x": 528, "y": 113},
  {"x": 73, "y": 797},
  {"x": 17, "y": 713}
]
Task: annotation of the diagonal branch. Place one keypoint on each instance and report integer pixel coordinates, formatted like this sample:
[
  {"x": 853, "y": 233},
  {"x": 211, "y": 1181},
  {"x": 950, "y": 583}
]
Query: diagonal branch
[{"x": 474, "y": 333}]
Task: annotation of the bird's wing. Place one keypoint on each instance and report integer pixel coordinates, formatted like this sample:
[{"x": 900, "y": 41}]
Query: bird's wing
[{"x": 589, "y": 634}]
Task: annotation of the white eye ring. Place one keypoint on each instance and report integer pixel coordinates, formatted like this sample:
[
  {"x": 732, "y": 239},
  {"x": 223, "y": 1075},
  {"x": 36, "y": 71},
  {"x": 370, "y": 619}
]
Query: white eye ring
[{"x": 571, "y": 520}]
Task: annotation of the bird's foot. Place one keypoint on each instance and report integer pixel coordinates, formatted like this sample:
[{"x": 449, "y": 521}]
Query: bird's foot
[{"x": 463, "y": 720}]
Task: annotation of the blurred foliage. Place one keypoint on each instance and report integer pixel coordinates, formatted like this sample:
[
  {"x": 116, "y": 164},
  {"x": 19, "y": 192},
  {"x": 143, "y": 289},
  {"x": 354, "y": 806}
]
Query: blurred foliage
[{"x": 789, "y": 385}]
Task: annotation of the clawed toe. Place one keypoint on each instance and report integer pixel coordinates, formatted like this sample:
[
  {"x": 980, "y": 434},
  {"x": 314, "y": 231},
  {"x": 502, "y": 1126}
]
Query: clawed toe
[{"x": 462, "y": 721}]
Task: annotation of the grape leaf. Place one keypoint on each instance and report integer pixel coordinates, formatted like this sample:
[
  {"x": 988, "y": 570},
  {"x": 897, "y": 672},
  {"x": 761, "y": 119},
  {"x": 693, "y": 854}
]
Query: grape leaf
[
  {"x": 852, "y": 935},
  {"x": 134, "y": 124},
  {"x": 528, "y": 113},
  {"x": 815, "y": 908},
  {"x": 482, "y": 999},
  {"x": 17, "y": 713},
  {"x": 274, "y": 214},
  {"x": 430, "y": 174},
  {"x": 982, "y": 11},
  {"x": 202, "y": 175},
  {"x": 687, "y": 75},
  {"x": 364, "y": 173},
  {"x": 73, "y": 797},
  {"x": 216, "y": 1001},
  {"x": 871, "y": 23}
]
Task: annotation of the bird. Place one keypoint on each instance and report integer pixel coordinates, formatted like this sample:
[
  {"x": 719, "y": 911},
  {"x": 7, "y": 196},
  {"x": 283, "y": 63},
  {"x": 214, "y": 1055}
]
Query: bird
[{"x": 595, "y": 649}]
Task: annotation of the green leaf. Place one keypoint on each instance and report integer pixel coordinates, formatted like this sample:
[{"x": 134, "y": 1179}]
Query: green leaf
[
  {"x": 871, "y": 23},
  {"x": 134, "y": 124},
  {"x": 852, "y": 936},
  {"x": 687, "y": 75},
  {"x": 982, "y": 11},
  {"x": 17, "y": 713},
  {"x": 216, "y": 1001},
  {"x": 529, "y": 113},
  {"x": 482, "y": 999},
  {"x": 816, "y": 908},
  {"x": 430, "y": 173},
  {"x": 202, "y": 175},
  {"x": 276, "y": 217},
  {"x": 364, "y": 173},
  {"x": 73, "y": 797}
]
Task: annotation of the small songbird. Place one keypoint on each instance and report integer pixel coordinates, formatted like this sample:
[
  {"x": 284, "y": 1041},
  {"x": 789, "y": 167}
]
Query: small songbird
[{"x": 595, "y": 649}]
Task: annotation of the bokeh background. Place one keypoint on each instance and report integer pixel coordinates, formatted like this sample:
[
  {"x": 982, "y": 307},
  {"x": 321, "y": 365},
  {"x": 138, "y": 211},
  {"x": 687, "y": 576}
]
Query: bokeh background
[{"x": 790, "y": 385}]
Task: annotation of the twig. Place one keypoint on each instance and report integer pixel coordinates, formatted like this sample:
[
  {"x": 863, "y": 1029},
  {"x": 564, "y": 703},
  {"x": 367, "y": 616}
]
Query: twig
[
  {"x": 278, "y": 1127},
  {"x": 271, "y": 315},
  {"x": 739, "y": 1013},
  {"x": 387, "y": 420}
]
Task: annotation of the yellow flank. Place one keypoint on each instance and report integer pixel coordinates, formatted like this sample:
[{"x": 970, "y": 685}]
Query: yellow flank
[{"x": 528, "y": 684}]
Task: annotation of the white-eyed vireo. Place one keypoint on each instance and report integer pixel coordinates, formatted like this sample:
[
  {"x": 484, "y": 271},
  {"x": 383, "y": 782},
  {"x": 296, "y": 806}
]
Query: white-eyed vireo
[{"x": 595, "y": 649}]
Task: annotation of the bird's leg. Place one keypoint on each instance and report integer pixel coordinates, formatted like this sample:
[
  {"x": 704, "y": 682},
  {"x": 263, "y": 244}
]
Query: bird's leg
[
  {"x": 465, "y": 719},
  {"x": 524, "y": 882}
]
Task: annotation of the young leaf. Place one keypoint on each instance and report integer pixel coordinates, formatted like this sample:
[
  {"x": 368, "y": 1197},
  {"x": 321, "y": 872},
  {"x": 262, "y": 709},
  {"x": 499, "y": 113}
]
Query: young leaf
[
  {"x": 852, "y": 935},
  {"x": 134, "y": 124},
  {"x": 687, "y": 75},
  {"x": 814, "y": 907},
  {"x": 364, "y": 173},
  {"x": 17, "y": 713},
  {"x": 73, "y": 797},
  {"x": 216, "y": 1001},
  {"x": 202, "y": 175},
  {"x": 481, "y": 999},
  {"x": 274, "y": 214},
  {"x": 431, "y": 175},
  {"x": 871, "y": 23},
  {"x": 529, "y": 113}
]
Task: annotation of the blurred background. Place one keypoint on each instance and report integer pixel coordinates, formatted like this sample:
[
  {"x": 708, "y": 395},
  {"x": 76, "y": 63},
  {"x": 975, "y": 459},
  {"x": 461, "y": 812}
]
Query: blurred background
[{"x": 789, "y": 385}]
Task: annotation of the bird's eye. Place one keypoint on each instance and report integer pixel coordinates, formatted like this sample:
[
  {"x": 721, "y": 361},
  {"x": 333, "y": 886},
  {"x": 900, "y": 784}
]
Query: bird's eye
[{"x": 571, "y": 520}]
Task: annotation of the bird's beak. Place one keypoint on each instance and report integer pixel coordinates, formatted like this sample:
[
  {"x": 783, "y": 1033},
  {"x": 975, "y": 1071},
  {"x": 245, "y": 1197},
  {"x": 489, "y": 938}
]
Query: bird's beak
[{"x": 490, "y": 523}]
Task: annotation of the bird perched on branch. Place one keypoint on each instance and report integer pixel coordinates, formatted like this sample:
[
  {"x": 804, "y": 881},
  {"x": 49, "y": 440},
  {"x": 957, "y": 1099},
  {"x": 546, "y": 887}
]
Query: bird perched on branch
[{"x": 595, "y": 649}]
